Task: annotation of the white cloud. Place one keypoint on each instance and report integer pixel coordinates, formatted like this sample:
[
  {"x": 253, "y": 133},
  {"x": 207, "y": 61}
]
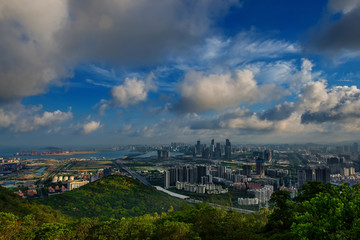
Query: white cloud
[
  {"x": 131, "y": 92},
  {"x": 6, "y": 118},
  {"x": 37, "y": 52},
  {"x": 19, "y": 118},
  {"x": 318, "y": 109},
  {"x": 284, "y": 73},
  {"x": 91, "y": 127},
  {"x": 200, "y": 91},
  {"x": 249, "y": 46}
]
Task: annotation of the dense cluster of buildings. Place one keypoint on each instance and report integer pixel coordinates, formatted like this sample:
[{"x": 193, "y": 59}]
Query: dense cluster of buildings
[
  {"x": 9, "y": 165},
  {"x": 213, "y": 151},
  {"x": 187, "y": 174},
  {"x": 313, "y": 173}
]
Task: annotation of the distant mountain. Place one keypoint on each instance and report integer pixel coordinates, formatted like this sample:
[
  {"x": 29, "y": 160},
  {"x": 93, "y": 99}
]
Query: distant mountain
[
  {"x": 112, "y": 197},
  {"x": 52, "y": 148}
]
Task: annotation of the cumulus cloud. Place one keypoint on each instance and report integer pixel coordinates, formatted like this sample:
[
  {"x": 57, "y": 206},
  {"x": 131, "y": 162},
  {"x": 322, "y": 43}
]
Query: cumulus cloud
[
  {"x": 337, "y": 104},
  {"x": 200, "y": 91},
  {"x": 30, "y": 60},
  {"x": 285, "y": 73},
  {"x": 36, "y": 50},
  {"x": 238, "y": 118},
  {"x": 19, "y": 118},
  {"x": 6, "y": 118},
  {"x": 91, "y": 127},
  {"x": 131, "y": 92},
  {"x": 318, "y": 108},
  {"x": 341, "y": 35},
  {"x": 279, "y": 112}
]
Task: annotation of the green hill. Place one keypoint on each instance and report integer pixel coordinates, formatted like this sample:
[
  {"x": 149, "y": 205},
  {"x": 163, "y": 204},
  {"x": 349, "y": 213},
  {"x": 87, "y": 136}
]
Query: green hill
[
  {"x": 318, "y": 212},
  {"x": 112, "y": 197},
  {"x": 12, "y": 203}
]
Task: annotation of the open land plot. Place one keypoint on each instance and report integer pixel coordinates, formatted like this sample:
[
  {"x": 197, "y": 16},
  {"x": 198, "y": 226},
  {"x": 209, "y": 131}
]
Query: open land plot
[{"x": 93, "y": 164}]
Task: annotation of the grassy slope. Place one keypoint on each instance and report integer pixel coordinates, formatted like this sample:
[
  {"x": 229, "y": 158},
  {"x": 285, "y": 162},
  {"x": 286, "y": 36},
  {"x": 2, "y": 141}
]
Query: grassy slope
[{"x": 112, "y": 197}]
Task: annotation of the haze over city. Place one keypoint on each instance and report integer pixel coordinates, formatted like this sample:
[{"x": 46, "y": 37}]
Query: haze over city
[{"x": 139, "y": 72}]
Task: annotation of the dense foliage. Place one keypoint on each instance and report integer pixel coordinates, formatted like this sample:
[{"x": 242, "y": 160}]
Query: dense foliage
[
  {"x": 112, "y": 197},
  {"x": 200, "y": 222},
  {"x": 11, "y": 203},
  {"x": 319, "y": 212}
]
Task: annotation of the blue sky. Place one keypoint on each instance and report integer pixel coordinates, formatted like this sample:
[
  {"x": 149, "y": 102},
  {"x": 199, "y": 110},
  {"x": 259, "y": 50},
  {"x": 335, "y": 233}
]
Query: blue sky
[{"x": 110, "y": 72}]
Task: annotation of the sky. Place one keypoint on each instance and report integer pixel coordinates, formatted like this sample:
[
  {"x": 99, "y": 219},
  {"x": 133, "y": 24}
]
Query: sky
[{"x": 118, "y": 72}]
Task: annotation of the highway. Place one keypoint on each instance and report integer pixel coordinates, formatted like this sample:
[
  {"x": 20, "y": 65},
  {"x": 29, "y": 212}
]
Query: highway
[{"x": 132, "y": 173}]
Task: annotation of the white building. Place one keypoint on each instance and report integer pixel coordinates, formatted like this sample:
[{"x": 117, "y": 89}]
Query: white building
[
  {"x": 248, "y": 201},
  {"x": 76, "y": 184},
  {"x": 263, "y": 194}
]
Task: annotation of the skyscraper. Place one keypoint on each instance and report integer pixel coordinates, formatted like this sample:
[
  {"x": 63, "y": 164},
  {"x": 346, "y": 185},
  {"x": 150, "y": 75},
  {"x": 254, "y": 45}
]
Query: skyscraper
[
  {"x": 267, "y": 155},
  {"x": 166, "y": 179},
  {"x": 218, "y": 151},
  {"x": 201, "y": 171},
  {"x": 260, "y": 167},
  {"x": 198, "y": 148},
  {"x": 221, "y": 171},
  {"x": 247, "y": 170},
  {"x": 212, "y": 149},
  {"x": 322, "y": 174},
  {"x": 227, "y": 149}
]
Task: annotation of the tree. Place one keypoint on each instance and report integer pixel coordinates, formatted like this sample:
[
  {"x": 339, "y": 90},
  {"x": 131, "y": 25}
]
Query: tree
[
  {"x": 328, "y": 215},
  {"x": 282, "y": 215}
]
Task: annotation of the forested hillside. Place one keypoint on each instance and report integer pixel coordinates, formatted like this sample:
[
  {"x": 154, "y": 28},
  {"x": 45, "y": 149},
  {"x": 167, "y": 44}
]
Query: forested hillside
[
  {"x": 319, "y": 212},
  {"x": 112, "y": 197}
]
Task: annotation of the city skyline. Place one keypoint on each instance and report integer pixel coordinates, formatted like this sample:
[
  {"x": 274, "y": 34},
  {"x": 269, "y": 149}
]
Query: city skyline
[{"x": 92, "y": 73}]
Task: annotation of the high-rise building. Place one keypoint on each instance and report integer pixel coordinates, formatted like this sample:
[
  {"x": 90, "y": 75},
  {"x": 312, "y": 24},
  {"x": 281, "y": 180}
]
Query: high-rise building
[
  {"x": 355, "y": 148},
  {"x": 180, "y": 174},
  {"x": 310, "y": 174},
  {"x": 322, "y": 174},
  {"x": 166, "y": 179},
  {"x": 221, "y": 171},
  {"x": 218, "y": 151},
  {"x": 212, "y": 149},
  {"x": 198, "y": 148},
  {"x": 192, "y": 175},
  {"x": 227, "y": 149},
  {"x": 201, "y": 171},
  {"x": 301, "y": 177},
  {"x": 260, "y": 167},
  {"x": 267, "y": 155},
  {"x": 206, "y": 153},
  {"x": 246, "y": 170}
]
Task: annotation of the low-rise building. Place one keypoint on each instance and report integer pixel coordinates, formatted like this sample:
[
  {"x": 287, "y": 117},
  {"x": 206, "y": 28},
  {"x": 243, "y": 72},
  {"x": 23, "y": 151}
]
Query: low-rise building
[
  {"x": 248, "y": 201},
  {"x": 76, "y": 184}
]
